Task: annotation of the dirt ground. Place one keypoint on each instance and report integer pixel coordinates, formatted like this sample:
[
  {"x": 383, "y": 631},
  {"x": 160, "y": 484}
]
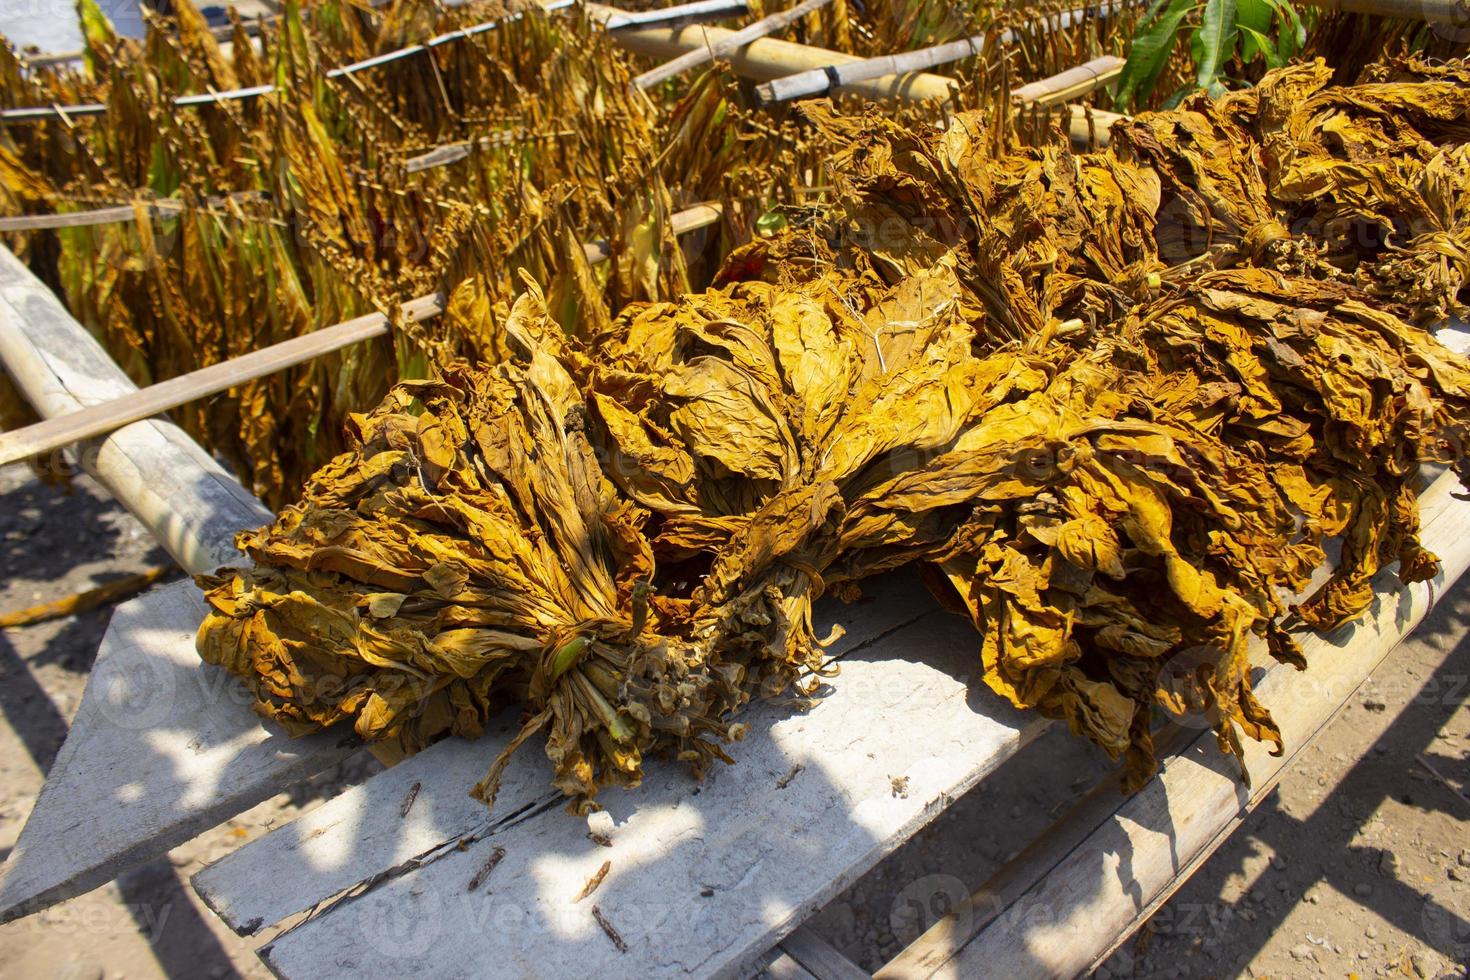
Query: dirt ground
[{"x": 1358, "y": 865}]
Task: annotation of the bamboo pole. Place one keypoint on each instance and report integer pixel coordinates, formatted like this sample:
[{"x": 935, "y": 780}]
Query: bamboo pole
[
  {"x": 70, "y": 424},
  {"x": 823, "y": 78},
  {"x": 713, "y": 52},
  {"x": 769, "y": 58},
  {"x": 1070, "y": 84},
  {"x": 177, "y": 490},
  {"x": 1087, "y": 126}
]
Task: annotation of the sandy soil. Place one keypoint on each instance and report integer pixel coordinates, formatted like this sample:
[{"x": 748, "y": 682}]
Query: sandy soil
[{"x": 1358, "y": 865}]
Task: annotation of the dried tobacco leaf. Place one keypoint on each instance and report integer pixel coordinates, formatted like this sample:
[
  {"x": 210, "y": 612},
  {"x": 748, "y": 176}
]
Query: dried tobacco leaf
[{"x": 1113, "y": 407}]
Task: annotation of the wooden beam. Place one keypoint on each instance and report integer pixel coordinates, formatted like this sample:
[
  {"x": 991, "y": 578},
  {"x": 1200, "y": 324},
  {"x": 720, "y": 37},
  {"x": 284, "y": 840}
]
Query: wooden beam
[
  {"x": 69, "y": 427},
  {"x": 162, "y": 748},
  {"x": 818, "y": 957}
]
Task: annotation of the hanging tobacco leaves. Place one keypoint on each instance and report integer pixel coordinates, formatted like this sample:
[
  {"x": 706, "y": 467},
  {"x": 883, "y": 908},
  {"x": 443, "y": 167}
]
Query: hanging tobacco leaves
[
  {"x": 341, "y": 194},
  {"x": 1112, "y": 406}
]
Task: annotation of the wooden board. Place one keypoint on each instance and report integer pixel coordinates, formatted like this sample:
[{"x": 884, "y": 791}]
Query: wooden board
[
  {"x": 307, "y": 861},
  {"x": 810, "y": 805},
  {"x": 119, "y": 794},
  {"x": 162, "y": 748}
]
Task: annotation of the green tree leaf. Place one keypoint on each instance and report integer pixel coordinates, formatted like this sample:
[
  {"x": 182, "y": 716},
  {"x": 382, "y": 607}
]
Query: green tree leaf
[
  {"x": 1255, "y": 44},
  {"x": 1217, "y": 35},
  {"x": 1254, "y": 19},
  {"x": 1150, "y": 51}
]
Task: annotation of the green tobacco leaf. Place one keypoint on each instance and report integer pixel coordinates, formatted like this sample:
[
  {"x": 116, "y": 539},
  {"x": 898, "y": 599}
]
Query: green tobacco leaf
[
  {"x": 1217, "y": 36},
  {"x": 1149, "y": 53}
]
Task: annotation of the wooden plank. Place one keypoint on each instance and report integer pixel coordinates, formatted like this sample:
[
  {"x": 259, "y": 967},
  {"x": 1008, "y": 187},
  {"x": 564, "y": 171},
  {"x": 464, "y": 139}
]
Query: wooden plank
[
  {"x": 1064, "y": 837},
  {"x": 734, "y": 42},
  {"x": 162, "y": 748},
  {"x": 817, "y": 956},
  {"x": 1079, "y": 908},
  {"x": 780, "y": 966},
  {"x": 704, "y": 878},
  {"x": 118, "y": 793},
  {"x": 362, "y": 835}
]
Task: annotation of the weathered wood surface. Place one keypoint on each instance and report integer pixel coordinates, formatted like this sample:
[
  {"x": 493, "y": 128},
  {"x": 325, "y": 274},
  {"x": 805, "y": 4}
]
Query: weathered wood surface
[
  {"x": 163, "y": 747},
  {"x": 1120, "y": 858},
  {"x": 819, "y": 958},
  {"x": 299, "y": 865},
  {"x": 809, "y": 806}
]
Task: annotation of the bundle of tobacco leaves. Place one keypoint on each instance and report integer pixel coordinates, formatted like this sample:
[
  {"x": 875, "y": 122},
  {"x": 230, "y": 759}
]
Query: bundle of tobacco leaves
[{"x": 1113, "y": 406}]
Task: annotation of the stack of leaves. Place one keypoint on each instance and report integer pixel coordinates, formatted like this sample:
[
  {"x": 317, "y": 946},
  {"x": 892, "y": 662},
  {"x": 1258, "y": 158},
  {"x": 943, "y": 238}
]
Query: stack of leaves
[{"x": 1114, "y": 445}]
